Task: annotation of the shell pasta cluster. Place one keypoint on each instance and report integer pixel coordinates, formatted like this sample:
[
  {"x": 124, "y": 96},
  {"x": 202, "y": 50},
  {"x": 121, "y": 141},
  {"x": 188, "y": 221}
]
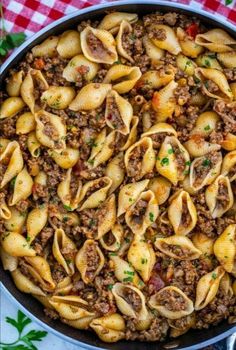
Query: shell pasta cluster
[{"x": 118, "y": 176}]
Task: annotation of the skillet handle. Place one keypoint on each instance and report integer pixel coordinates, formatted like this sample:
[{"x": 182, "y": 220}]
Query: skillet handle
[{"x": 231, "y": 342}]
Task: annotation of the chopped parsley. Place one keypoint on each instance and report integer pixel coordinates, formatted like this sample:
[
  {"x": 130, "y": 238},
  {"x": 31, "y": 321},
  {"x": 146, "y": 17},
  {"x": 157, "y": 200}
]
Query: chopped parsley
[
  {"x": 128, "y": 279},
  {"x": 151, "y": 217},
  {"x": 65, "y": 218},
  {"x": 214, "y": 275},
  {"x": 129, "y": 273},
  {"x": 110, "y": 286},
  {"x": 130, "y": 199},
  {"x": 206, "y": 162},
  {"x": 91, "y": 143},
  {"x": 91, "y": 222},
  {"x": 187, "y": 64},
  {"x": 165, "y": 161},
  {"x": 67, "y": 207},
  {"x": 188, "y": 163},
  {"x": 207, "y": 63},
  {"x": 12, "y": 183},
  {"x": 144, "y": 261},
  {"x": 91, "y": 161},
  {"x": 27, "y": 238},
  {"x": 170, "y": 151},
  {"x": 127, "y": 240},
  {"x": 113, "y": 254},
  {"x": 207, "y": 127}
]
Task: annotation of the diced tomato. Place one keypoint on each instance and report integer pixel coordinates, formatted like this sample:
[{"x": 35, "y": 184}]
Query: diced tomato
[
  {"x": 155, "y": 283},
  {"x": 192, "y": 30},
  {"x": 39, "y": 63}
]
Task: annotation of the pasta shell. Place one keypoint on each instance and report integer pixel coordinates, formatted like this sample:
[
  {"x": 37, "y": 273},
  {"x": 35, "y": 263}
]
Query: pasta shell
[
  {"x": 229, "y": 142},
  {"x": 207, "y": 287},
  {"x": 107, "y": 217},
  {"x": 198, "y": 147},
  {"x": 110, "y": 328},
  {"x": 225, "y": 248},
  {"x": 140, "y": 158},
  {"x": 204, "y": 170},
  {"x": 169, "y": 42},
  {"x": 219, "y": 196},
  {"x": 9, "y": 262},
  {"x": 33, "y": 145},
  {"x": 123, "y": 78},
  {"x": 132, "y": 136},
  {"x": 16, "y": 220},
  {"x": 69, "y": 44},
  {"x": 111, "y": 240},
  {"x": 39, "y": 269},
  {"x": 25, "y": 123},
  {"x": 33, "y": 78},
  {"x": 112, "y": 21},
  {"x": 5, "y": 212},
  {"x": 69, "y": 190},
  {"x": 161, "y": 188},
  {"x": 125, "y": 272},
  {"x": 16, "y": 245},
  {"x": 229, "y": 166},
  {"x": 80, "y": 66},
  {"x": 228, "y": 59},
  {"x": 11, "y": 106},
  {"x": 187, "y": 44},
  {"x": 203, "y": 243},
  {"x": 98, "y": 45},
  {"x": 206, "y": 123},
  {"x": 160, "y": 128},
  {"x": 46, "y": 48},
  {"x": 182, "y": 325},
  {"x": 67, "y": 158},
  {"x": 173, "y": 160},
  {"x": 115, "y": 171},
  {"x": 178, "y": 247},
  {"x": 71, "y": 307},
  {"x": 64, "y": 286},
  {"x": 154, "y": 52},
  {"x": 91, "y": 96},
  {"x": 102, "y": 149},
  {"x": 58, "y": 97},
  {"x": 94, "y": 192},
  {"x": 125, "y": 28},
  {"x": 143, "y": 213},
  {"x": 163, "y": 102},
  {"x": 14, "y": 83},
  {"x": 155, "y": 79},
  {"x": 118, "y": 113},
  {"x": 22, "y": 187},
  {"x": 182, "y": 213},
  {"x": 207, "y": 61},
  {"x": 64, "y": 250},
  {"x": 123, "y": 296},
  {"x": 161, "y": 302},
  {"x": 56, "y": 140},
  {"x": 36, "y": 221},
  {"x": 216, "y": 40},
  {"x": 24, "y": 284},
  {"x": 185, "y": 64},
  {"x": 224, "y": 92},
  {"x": 226, "y": 285},
  {"x": 82, "y": 261},
  {"x": 3, "y": 142},
  {"x": 142, "y": 257},
  {"x": 129, "y": 194}
]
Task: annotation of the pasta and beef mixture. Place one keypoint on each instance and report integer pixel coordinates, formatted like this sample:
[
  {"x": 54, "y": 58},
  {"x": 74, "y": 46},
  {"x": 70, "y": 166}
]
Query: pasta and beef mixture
[{"x": 118, "y": 176}]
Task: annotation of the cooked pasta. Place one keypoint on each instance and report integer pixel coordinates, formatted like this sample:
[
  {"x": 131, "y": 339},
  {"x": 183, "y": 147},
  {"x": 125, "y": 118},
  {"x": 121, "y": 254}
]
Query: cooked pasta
[{"x": 118, "y": 176}]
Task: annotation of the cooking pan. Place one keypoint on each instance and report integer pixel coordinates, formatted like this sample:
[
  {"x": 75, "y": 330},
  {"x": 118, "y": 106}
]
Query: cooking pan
[{"x": 192, "y": 340}]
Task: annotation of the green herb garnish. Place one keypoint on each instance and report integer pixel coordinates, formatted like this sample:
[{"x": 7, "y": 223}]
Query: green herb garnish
[
  {"x": 67, "y": 207},
  {"x": 207, "y": 127},
  {"x": 214, "y": 275},
  {"x": 206, "y": 162},
  {"x": 151, "y": 217},
  {"x": 165, "y": 161}
]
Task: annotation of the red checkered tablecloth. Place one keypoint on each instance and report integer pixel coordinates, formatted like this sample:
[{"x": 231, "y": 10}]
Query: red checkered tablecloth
[{"x": 30, "y": 16}]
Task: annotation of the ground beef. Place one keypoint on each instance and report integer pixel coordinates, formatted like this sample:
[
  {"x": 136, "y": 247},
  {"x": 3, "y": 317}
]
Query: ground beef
[
  {"x": 182, "y": 94},
  {"x": 52, "y": 314},
  {"x": 8, "y": 127},
  {"x": 139, "y": 211},
  {"x": 113, "y": 113},
  {"x": 203, "y": 166},
  {"x": 92, "y": 259},
  {"x": 132, "y": 298},
  {"x": 156, "y": 332},
  {"x": 171, "y": 300},
  {"x": 230, "y": 74},
  {"x": 96, "y": 46},
  {"x": 157, "y": 34},
  {"x": 227, "y": 111},
  {"x": 22, "y": 205},
  {"x": 135, "y": 162}
]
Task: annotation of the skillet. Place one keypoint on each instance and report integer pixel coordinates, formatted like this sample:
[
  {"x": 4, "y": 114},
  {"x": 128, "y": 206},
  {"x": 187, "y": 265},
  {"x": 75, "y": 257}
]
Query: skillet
[{"x": 192, "y": 340}]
